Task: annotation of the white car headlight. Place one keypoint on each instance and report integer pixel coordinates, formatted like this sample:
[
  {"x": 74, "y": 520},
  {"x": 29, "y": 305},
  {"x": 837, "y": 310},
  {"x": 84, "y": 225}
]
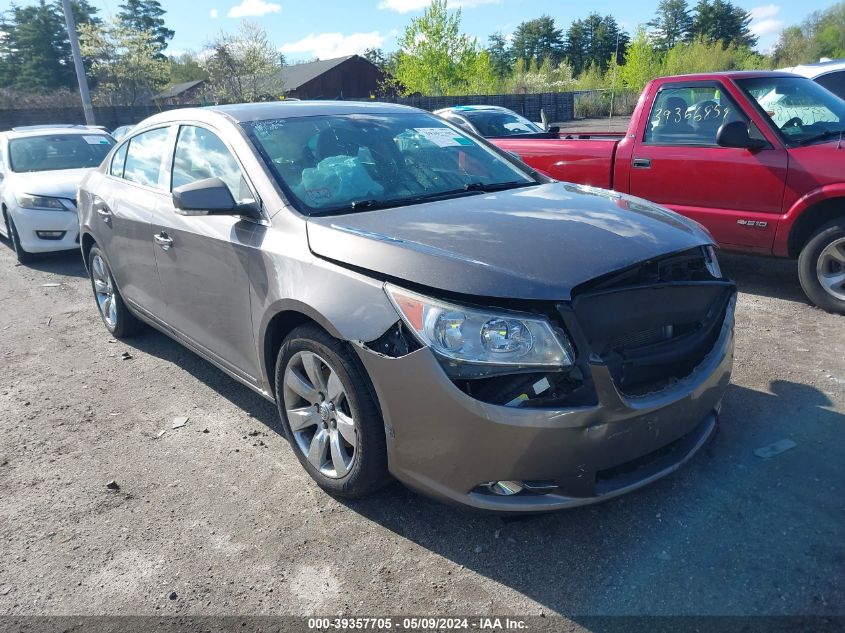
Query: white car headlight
[
  {"x": 480, "y": 336},
  {"x": 29, "y": 201}
]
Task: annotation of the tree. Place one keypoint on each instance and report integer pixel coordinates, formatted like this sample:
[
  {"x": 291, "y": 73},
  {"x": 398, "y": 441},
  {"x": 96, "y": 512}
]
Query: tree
[
  {"x": 245, "y": 67},
  {"x": 723, "y": 22},
  {"x": 594, "y": 40},
  {"x": 185, "y": 67},
  {"x": 501, "y": 56},
  {"x": 123, "y": 63},
  {"x": 377, "y": 57},
  {"x": 146, "y": 15},
  {"x": 538, "y": 40},
  {"x": 34, "y": 46},
  {"x": 671, "y": 24},
  {"x": 435, "y": 58},
  {"x": 822, "y": 34}
]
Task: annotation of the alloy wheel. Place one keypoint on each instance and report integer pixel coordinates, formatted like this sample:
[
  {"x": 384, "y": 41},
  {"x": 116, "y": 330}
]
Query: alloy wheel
[
  {"x": 830, "y": 268},
  {"x": 104, "y": 291},
  {"x": 319, "y": 414}
]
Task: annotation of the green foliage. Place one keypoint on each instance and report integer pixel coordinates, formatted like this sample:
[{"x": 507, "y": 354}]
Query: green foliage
[
  {"x": 537, "y": 40},
  {"x": 594, "y": 40},
  {"x": 671, "y": 24},
  {"x": 123, "y": 63},
  {"x": 245, "y": 67},
  {"x": 435, "y": 58},
  {"x": 146, "y": 15},
  {"x": 529, "y": 77},
  {"x": 643, "y": 62},
  {"x": 821, "y": 35},
  {"x": 501, "y": 55},
  {"x": 35, "y": 51},
  {"x": 722, "y": 21},
  {"x": 185, "y": 67}
]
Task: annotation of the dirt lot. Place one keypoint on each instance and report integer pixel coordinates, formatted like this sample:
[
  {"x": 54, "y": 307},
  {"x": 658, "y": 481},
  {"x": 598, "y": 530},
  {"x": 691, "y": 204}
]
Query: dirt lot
[{"x": 217, "y": 517}]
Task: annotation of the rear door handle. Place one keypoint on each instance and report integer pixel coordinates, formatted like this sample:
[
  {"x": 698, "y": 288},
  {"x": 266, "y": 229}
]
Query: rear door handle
[
  {"x": 642, "y": 163},
  {"x": 163, "y": 240}
]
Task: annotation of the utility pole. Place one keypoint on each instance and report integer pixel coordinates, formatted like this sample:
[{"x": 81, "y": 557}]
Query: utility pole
[{"x": 77, "y": 62}]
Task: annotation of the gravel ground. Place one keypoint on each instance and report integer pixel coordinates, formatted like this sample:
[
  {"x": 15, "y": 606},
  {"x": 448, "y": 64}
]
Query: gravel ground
[{"x": 217, "y": 517}]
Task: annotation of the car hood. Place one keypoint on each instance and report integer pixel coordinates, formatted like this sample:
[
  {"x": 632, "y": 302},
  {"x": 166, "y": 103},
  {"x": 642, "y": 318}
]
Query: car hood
[
  {"x": 538, "y": 242},
  {"x": 60, "y": 183}
]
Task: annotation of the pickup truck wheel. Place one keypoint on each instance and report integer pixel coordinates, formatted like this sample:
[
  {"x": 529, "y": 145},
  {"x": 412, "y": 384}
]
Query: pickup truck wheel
[
  {"x": 329, "y": 414},
  {"x": 117, "y": 318},
  {"x": 821, "y": 267}
]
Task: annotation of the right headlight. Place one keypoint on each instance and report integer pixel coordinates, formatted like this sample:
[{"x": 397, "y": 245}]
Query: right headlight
[
  {"x": 481, "y": 336},
  {"x": 712, "y": 262}
]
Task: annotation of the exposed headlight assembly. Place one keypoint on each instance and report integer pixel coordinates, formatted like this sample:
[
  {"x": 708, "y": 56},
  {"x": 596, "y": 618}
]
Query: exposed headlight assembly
[
  {"x": 29, "y": 201},
  {"x": 712, "y": 262},
  {"x": 481, "y": 337}
]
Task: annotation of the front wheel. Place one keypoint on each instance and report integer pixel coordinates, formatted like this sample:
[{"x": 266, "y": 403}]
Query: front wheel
[
  {"x": 117, "y": 318},
  {"x": 23, "y": 256},
  {"x": 821, "y": 267},
  {"x": 329, "y": 414}
]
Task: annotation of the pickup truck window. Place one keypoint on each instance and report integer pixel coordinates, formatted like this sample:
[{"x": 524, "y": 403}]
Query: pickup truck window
[
  {"x": 800, "y": 108},
  {"x": 690, "y": 115}
]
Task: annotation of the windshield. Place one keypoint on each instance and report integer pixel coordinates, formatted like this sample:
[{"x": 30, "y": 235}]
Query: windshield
[
  {"x": 800, "y": 108},
  {"x": 58, "y": 151},
  {"x": 346, "y": 162},
  {"x": 494, "y": 123}
]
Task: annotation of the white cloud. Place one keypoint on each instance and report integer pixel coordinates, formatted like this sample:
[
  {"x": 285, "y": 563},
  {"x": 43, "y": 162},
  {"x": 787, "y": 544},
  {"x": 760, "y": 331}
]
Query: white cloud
[
  {"x": 253, "y": 9},
  {"x": 764, "y": 20},
  {"x": 213, "y": 14},
  {"x": 328, "y": 45},
  {"x": 405, "y": 6}
]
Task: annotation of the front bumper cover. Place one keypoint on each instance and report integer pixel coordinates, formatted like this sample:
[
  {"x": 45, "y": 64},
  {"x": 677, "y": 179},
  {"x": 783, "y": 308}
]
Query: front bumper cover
[{"x": 445, "y": 443}]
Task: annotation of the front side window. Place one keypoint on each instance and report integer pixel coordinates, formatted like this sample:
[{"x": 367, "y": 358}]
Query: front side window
[
  {"x": 801, "y": 109},
  {"x": 200, "y": 154},
  {"x": 144, "y": 157},
  {"x": 690, "y": 115},
  {"x": 493, "y": 123},
  {"x": 118, "y": 161},
  {"x": 358, "y": 161},
  {"x": 58, "y": 151}
]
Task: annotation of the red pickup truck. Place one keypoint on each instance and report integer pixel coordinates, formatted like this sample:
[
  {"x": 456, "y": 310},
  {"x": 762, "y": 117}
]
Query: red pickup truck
[{"x": 756, "y": 157}]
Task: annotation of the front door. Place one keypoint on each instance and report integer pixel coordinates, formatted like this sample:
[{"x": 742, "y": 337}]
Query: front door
[
  {"x": 736, "y": 193},
  {"x": 204, "y": 261}
]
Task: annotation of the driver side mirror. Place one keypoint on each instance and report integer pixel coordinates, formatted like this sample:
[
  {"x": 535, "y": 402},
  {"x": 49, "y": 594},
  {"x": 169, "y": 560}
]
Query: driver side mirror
[
  {"x": 210, "y": 196},
  {"x": 735, "y": 134}
]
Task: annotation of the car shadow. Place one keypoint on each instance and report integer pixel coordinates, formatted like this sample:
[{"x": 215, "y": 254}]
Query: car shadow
[
  {"x": 729, "y": 533},
  {"x": 67, "y": 263},
  {"x": 764, "y": 276}
]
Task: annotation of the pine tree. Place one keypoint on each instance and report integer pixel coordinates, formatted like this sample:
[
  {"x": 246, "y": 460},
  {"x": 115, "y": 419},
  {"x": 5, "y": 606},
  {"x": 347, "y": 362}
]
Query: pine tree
[
  {"x": 500, "y": 54},
  {"x": 538, "y": 40},
  {"x": 722, "y": 21},
  {"x": 671, "y": 24},
  {"x": 146, "y": 15}
]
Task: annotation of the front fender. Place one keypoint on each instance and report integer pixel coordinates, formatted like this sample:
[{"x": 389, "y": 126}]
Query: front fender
[{"x": 788, "y": 221}]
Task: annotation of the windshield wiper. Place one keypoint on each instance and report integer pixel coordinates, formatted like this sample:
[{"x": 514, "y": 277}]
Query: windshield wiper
[
  {"x": 496, "y": 186},
  {"x": 822, "y": 136}
]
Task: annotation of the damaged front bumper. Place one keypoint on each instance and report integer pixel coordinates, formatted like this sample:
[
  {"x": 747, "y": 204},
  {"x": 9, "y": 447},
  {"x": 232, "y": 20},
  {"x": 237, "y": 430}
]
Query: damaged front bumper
[{"x": 447, "y": 444}]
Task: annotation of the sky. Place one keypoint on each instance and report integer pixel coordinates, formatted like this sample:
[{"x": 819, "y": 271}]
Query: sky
[{"x": 333, "y": 28}]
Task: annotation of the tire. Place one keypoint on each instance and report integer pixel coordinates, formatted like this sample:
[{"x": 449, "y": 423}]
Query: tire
[
  {"x": 23, "y": 257},
  {"x": 821, "y": 265},
  {"x": 117, "y": 318},
  {"x": 340, "y": 409}
]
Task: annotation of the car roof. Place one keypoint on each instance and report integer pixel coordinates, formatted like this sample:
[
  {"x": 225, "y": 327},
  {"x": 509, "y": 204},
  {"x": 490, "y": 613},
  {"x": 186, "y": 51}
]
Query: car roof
[
  {"x": 817, "y": 69},
  {"x": 728, "y": 74},
  {"x": 246, "y": 112},
  {"x": 47, "y": 130},
  {"x": 474, "y": 108}
]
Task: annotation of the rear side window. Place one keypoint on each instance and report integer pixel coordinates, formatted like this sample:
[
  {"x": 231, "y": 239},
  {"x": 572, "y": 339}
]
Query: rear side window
[
  {"x": 118, "y": 161},
  {"x": 835, "y": 82},
  {"x": 200, "y": 154},
  {"x": 144, "y": 157},
  {"x": 690, "y": 115}
]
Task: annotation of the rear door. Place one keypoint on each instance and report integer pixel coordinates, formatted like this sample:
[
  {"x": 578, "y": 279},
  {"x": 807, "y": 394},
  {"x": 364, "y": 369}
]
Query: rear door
[
  {"x": 134, "y": 187},
  {"x": 736, "y": 193},
  {"x": 204, "y": 261}
]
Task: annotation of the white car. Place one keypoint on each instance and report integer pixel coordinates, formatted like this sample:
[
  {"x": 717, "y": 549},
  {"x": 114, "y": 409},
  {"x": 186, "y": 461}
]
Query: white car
[
  {"x": 40, "y": 169},
  {"x": 829, "y": 73}
]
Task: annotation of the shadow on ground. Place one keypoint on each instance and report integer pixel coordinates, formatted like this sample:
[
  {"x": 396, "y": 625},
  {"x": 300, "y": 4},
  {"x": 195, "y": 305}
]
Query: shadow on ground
[
  {"x": 62, "y": 263},
  {"x": 764, "y": 276}
]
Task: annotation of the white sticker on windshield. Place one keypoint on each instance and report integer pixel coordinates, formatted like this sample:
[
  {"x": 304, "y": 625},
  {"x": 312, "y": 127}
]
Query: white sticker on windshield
[
  {"x": 443, "y": 136},
  {"x": 96, "y": 140}
]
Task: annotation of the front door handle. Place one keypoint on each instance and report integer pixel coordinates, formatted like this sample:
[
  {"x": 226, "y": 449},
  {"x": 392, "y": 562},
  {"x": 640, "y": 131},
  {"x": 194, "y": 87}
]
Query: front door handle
[
  {"x": 642, "y": 163},
  {"x": 102, "y": 209},
  {"x": 163, "y": 240}
]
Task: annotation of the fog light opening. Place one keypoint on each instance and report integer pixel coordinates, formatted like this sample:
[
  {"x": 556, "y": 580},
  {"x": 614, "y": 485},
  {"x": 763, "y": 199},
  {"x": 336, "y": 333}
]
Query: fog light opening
[
  {"x": 50, "y": 235},
  {"x": 505, "y": 488}
]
